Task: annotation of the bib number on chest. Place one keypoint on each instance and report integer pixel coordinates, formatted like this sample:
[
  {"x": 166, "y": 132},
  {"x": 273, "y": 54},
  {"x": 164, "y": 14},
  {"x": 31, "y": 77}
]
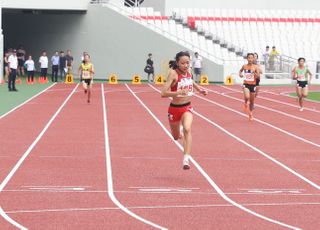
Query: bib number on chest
[
  {"x": 85, "y": 74},
  {"x": 248, "y": 75},
  {"x": 186, "y": 83}
]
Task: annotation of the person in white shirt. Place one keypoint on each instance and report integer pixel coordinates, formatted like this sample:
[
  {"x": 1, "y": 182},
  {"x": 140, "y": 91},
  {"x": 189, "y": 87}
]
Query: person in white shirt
[
  {"x": 44, "y": 65},
  {"x": 197, "y": 66},
  {"x": 13, "y": 65},
  {"x": 55, "y": 60},
  {"x": 30, "y": 69},
  {"x": 266, "y": 55}
]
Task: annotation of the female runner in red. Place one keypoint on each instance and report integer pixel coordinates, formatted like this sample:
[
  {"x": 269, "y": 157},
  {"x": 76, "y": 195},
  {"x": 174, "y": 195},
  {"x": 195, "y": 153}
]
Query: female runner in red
[
  {"x": 179, "y": 86},
  {"x": 250, "y": 72}
]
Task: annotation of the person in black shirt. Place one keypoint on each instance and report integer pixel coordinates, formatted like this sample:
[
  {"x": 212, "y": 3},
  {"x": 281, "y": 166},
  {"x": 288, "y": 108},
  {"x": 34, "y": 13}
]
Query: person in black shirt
[
  {"x": 69, "y": 61},
  {"x": 149, "y": 69},
  {"x": 21, "y": 53},
  {"x": 62, "y": 65}
]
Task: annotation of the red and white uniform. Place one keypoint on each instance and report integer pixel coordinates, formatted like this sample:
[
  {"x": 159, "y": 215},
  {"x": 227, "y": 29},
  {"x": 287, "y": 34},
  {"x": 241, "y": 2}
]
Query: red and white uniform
[{"x": 175, "y": 112}]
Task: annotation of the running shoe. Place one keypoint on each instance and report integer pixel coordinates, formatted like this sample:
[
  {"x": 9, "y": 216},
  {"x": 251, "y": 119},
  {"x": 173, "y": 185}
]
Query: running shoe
[
  {"x": 301, "y": 109},
  {"x": 85, "y": 91},
  {"x": 186, "y": 164}
]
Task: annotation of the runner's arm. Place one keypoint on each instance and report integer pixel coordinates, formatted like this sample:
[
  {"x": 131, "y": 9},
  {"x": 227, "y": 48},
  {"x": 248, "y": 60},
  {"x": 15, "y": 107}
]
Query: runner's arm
[
  {"x": 201, "y": 90},
  {"x": 79, "y": 71},
  {"x": 293, "y": 73},
  {"x": 240, "y": 72}
]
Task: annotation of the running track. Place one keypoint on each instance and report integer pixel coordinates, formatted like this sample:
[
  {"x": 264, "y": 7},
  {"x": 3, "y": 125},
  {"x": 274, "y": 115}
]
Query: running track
[{"x": 56, "y": 173}]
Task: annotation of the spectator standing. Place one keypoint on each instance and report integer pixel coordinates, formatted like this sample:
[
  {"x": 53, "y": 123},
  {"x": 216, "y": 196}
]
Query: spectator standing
[
  {"x": 55, "y": 61},
  {"x": 30, "y": 69},
  {"x": 273, "y": 57},
  {"x": 266, "y": 56},
  {"x": 197, "y": 66},
  {"x": 21, "y": 53},
  {"x": 43, "y": 60},
  {"x": 69, "y": 61},
  {"x": 13, "y": 66},
  {"x": 149, "y": 69},
  {"x": 62, "y": 65}
]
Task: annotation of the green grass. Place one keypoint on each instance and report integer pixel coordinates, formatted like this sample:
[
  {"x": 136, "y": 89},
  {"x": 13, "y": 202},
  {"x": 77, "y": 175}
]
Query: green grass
[
  {"x": 9, "y": 100},
  {"x": 315, "y": 96}
]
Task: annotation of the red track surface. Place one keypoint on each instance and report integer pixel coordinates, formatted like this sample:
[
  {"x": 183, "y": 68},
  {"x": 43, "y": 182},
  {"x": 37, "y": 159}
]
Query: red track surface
[{"x": 62, "y": 184}]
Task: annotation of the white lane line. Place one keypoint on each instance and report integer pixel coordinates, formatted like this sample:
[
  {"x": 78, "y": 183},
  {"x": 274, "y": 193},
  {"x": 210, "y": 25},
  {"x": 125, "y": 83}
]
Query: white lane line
[
  {"x": 109, "y": 169},
  {"x": 205, "y": 175},
  {"x": 246, "y": 143},
  {"x": 288, "y": 104},
  {"x": 260, "y": 152},
  {"x": 25, "y": 102},
  {"x": 287, "y": 94},
  {"x": 150, "y": 158},
  {"x": 53, "y": 186},
  {"x": 26, "y": 154},
  {"x": 170, "y": 192},
  {"x": 229, "y": 159},
  {"x": 164, "y": 207},
  {"x": 272, "y": 110},
  {"x": 274, "y": 100},
  {"x": 260, "y": 121}
]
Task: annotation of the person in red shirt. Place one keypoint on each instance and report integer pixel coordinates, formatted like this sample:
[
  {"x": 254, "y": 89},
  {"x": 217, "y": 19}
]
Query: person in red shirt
[
  {"x": 179, "y": 86},
  {"x": 249, "y": 72}
]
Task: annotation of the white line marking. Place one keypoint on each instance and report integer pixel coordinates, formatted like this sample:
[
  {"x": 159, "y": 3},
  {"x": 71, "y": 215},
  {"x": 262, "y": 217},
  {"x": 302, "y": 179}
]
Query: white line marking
[
  {"x": 109, "y": 169},
  {"x": 208, "y": 178},
  {"x": 273, "y": 189},
  {"x": 59, "y": 189},
  {"x": 150, "y": 158},
  {"x": 162, "y": 207},
  {"x": 273, "y": 110},
  {"x": 260, "y": 121},
  {"x": 278, "y": 101},
  {"x": 246, "y": 143},
  {"x": 229, "y": 159},
  {"x": 137, "y": 192},
  {"x": 288, "y": 104},
  {"x": 11, "y": 221},
  {"x": 166, "y": 188},
  {"x": 151, "y": 190},
  {"x": 31, "y": 98},
  {"x": 259, "y": 151},
  {"x": 287, "y": 94},
  {"x": 26, "y": 154},
  {"x": 54, "y": 186}
]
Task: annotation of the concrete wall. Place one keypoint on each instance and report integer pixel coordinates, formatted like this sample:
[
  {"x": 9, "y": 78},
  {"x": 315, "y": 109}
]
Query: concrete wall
[
  {"x": 243, "y": 4},
  {"x": 158, "y": 5},
  {"x": 46, "y": 4},
  {"x": 116, "y": 43}
]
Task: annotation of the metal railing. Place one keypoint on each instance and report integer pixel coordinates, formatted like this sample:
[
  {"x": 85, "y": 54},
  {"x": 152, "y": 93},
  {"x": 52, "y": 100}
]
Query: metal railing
[{"x": 124, "y": 11}]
